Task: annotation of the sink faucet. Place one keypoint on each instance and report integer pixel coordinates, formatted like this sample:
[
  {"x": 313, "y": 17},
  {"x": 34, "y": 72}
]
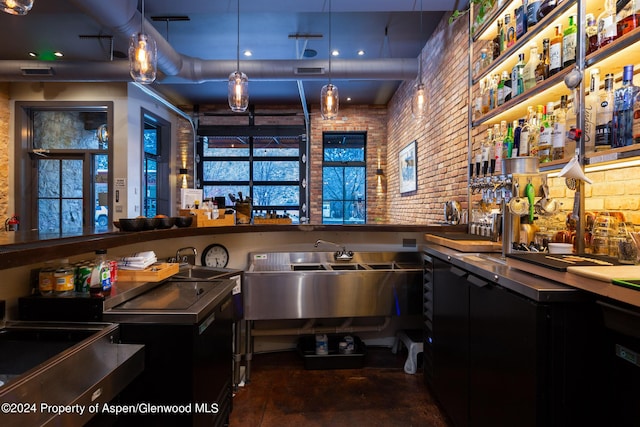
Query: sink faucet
[
  {"x": 189, "y": 259},
  {"x": 341, "y": 255}
]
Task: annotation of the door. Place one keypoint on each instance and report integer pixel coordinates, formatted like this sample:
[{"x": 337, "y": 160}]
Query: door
[{"x": 451, "y": 341}]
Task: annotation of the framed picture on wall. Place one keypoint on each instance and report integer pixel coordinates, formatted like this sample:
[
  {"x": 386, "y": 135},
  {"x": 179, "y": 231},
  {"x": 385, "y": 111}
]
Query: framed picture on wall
[{"x": 408, "y": 168}]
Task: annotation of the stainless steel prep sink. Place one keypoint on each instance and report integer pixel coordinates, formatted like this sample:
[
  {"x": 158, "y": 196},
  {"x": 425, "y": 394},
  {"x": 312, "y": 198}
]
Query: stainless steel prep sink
[{"x": 299, "y": 285}]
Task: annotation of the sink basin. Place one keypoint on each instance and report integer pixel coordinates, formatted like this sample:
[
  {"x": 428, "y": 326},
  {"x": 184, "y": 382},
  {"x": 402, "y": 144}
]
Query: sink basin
[
  {"x": 307, "y": 267},
  {"x": 198, "y": 272},
  {"x": 303, "y": 285},
  {"x": 63, "y": 364},
  {"x": 349, "y": 266}
]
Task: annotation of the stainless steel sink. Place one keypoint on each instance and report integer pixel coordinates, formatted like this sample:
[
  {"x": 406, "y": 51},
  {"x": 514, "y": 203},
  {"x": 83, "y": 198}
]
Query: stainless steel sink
[
  {"x": 299, "y": 285},
  {"x": 198, "y": 272},
  {"x": 63, "y": 364}
]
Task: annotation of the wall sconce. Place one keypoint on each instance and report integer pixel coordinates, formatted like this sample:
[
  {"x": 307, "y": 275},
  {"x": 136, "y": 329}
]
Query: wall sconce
[
  {"x": 379, "y": 172},
  {"x": 16, "y": 7},
  {"x": 183, "y": 172},
  {"x": 143, "y": 55}
]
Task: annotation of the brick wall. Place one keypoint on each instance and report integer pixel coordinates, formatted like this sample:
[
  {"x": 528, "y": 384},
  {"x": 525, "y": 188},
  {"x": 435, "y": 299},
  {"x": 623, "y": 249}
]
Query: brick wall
[{"x": 441, "y": 138}]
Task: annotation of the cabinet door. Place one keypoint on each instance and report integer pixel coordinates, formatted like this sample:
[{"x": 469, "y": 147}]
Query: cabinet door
[
  {"x": 508, "y": 348},
  {"x": 450, "y": 341}
]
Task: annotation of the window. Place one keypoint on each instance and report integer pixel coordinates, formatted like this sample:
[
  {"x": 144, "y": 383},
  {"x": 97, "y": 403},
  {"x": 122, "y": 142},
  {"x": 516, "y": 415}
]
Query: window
[
  {"x": 67, "y": 147},
  {"x": 344, "y": 193},
  {"x": 155, "y": 165},
  {"x": 267, "y": 169}
]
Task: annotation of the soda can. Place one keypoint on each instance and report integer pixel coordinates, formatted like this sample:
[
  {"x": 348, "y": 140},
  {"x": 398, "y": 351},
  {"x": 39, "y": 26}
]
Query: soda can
[{"x": 83, "y": 278}]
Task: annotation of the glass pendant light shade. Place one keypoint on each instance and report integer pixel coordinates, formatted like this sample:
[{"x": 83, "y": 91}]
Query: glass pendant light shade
[
  {"x": 16, "y": 7},
  {"x": 419, "y": 102},
  {"x": 330, "y": 101},
  {"x": 143, "y": 58},
  {"x": 238, "y": 91}
]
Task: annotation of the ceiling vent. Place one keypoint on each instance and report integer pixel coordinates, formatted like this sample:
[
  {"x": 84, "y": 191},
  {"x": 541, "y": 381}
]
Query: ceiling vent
[
  {"x": 306, "y": 71},
  {"x": 38, "y": 72}
]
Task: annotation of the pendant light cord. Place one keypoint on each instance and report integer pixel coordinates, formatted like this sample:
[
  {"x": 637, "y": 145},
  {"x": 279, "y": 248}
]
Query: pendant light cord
[
  {"x": 330, "y": 50},
  {"x": 142, "y": 19},
  {"x": 421, "y": 48},
  {"x": 238, "y": 41}
]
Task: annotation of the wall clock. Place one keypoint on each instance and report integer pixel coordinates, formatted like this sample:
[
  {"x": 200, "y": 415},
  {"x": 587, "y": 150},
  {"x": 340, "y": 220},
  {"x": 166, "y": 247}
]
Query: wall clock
[{"x": 215, "y": 255}]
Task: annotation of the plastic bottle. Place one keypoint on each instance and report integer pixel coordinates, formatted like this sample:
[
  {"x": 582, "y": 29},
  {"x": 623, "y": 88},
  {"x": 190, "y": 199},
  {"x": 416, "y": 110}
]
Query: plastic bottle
[
  {"x": 214, "y": 210},
  {"x": 101, "y": 275}
]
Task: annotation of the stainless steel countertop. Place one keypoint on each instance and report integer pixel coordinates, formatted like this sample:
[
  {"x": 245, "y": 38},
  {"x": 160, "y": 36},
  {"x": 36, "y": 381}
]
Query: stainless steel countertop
[
  {"x": 493, "y": 268},
  {"x": 533, "y": 281}
]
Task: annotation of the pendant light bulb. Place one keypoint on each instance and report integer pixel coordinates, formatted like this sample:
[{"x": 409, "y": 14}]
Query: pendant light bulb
[
  {"x": 143, "y": 55},
  {"x": 329, "y": 98},
  {"x": 330, "y": 101},
  {"x": 238, "y": 88},
  {"x": 16, "y": 7},
  {"x": 238, "y": 92},
  {"x": 419, "y": 102}
]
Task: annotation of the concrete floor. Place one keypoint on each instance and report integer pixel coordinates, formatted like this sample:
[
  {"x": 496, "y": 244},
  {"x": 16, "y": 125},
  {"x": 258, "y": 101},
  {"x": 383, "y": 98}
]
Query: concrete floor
[{"x": 283, "y": 393}]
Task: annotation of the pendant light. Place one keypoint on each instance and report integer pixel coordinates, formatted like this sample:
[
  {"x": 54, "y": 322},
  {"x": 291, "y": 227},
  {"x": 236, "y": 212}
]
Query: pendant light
[
  {"x": 238, "y": 89},
  {"x": 16, "y": 7},
  {"x": 143, "y": 55},
  {"x": 419, "y": 100},
  {"x": 329, "y": 98}
]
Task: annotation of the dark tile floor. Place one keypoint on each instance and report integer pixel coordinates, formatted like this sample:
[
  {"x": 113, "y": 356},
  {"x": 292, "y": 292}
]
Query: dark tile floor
[{"x": 283, "y": 393}]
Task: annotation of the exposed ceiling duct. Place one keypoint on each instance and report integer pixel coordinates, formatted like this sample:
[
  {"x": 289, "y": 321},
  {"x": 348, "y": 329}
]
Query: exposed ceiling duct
[{"x": 122, "y": 17}]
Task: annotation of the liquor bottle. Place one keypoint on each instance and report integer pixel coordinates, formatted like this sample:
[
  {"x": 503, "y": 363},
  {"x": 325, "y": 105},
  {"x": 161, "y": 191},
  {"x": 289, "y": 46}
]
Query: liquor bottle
[
  {"x": 607, "y": 28},
  {"x": 485, "y": 151},
  {"x": 534, "y": 131},
  {"x": 529, "y": 70},
  {"x": 591, "y": 34},
  {"x": 555, "y": 52},
  {"x": 523, "y": 149},
  {"x": 545, "y": 8},
  {"x": 510, "y": 30},
  {"x": 477, "y": 103},
  {"x": 546, "y": 128},
  {"x": 507, "y": 143},
  {"x": 628, "y": 17},
  {"x": 497, "y": 148},
  {"x": 520, "y": 16},
  {"x": 497, "y": 42},
  {"x": 508, "y": 86},
  {"x": 540, "y": 69},
  {"x": 635, "y": 127},
  {"x": 484, "y": 93},
  {"x": 517, "y": 83},
  {"x": 590, "y": 110},
  {"x": 532, "y": 12},
  {"x": 559, "y": 130},
  {"x": 604, "y": 113},
  {"x": 481, "y": 63},
  {"x": 569, "y": 41},
  {"x": 545, "y": 61},
  {"x": 623, "y": 109},
  {"x": 503, "y": 37},
  {"x": 500, "y": 93},
  {"x": 493, "y": 92},
  {"x": 517, "y": 135}
]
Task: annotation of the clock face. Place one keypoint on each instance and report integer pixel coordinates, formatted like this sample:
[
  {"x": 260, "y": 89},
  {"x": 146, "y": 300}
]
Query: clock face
[{"x": 215, "y": 255}]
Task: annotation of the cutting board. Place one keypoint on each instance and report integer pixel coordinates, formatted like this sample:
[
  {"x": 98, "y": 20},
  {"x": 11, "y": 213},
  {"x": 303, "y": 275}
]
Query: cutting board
[
  {"x": 476, "y": 245},
  {"x": 154, "y": 273},
  {"x": 606, "y": 273}
]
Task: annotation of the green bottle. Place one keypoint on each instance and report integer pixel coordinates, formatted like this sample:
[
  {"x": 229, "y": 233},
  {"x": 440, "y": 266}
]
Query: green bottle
[
  {"x": 569, "y": 41},
  {"x": 507, "y": 143}
]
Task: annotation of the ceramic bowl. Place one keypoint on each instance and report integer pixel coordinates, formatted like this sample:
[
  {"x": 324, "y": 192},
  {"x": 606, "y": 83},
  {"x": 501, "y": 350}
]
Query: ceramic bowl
[
  {"x": 131, "y": 224},
  {"x": 183, "y": 221},
  {"x": 560, "y": 248}
]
